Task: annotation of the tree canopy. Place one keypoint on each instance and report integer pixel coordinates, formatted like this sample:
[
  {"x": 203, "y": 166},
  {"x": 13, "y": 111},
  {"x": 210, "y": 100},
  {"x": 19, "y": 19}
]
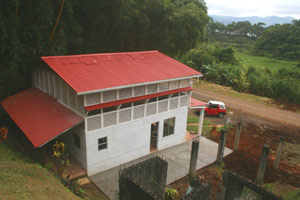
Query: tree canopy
[
  {"x": 280, "y": 41},
  {"x": 77, "y": 27}
]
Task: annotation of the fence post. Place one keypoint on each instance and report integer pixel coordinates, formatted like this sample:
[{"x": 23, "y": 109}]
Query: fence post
[
  {"x": 237, "y": 135},
  {"x": 278, "y": 153},
  {"x": 194, "y": 156},
  {"x": 262, "y": 164},
  {"x": 221, "y": 146}
]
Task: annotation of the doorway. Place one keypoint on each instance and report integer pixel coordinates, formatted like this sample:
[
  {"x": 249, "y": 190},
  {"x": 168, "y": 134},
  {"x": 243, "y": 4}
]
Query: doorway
[{"x": 154, "y": 136}]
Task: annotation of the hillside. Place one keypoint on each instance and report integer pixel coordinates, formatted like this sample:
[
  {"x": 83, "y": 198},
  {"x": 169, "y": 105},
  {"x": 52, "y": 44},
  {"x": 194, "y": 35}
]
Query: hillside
[
  {"x": 23, "y": 178},
  {"x": 270, "y": 20}
]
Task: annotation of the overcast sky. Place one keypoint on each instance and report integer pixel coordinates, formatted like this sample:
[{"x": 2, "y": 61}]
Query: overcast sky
[{"x": 263, "y": 8}]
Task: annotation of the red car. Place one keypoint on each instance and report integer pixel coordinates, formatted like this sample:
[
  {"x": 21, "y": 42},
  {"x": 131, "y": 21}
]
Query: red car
[{"x": 216, "y": 108}]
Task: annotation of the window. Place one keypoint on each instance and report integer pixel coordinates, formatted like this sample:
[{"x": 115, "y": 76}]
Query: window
[
  {"x": 76, "y": 140},
  {"x": 214, "y": 106},
  {"x": 109, "y": 109},
  {"x": 175, "y": 95},
  {"x": 126, "y": 105},
  {"x": 102, "y": 143},
  {"x": 163, "y": 97},
  {"x": 94, "y": 112},
  {"x": 152, "y": 100},
  {"x": 137, "y": 103},
  {"x": 169, "y": 125}
]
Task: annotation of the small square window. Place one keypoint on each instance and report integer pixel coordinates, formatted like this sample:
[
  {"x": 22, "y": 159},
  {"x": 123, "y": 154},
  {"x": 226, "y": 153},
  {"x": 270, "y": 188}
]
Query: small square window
[
  {"x": 102, "y": 143},
  {"x": 76, "y": 140}
]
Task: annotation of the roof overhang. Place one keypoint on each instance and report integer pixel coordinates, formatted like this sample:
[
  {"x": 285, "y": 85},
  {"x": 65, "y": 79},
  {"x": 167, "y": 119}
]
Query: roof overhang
[
  {"x": 133, "y": 99},
  {"x": 196, "y": 104},
  {"x": 39, "y": 116},
  {"x": 139, "y": 84}
]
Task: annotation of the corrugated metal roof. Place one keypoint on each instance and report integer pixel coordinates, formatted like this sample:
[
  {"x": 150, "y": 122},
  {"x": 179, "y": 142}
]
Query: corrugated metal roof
[
  {"x": 194, "y": 103},
  {"x": 39, "y": 116},
  {"x": 93, "y": 72}
]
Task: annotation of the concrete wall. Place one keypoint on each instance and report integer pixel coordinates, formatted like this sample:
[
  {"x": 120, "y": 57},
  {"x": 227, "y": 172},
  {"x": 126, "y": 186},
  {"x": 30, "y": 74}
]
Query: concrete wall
[
  {"x": 78, "y": 154},
  {"x": 131, "y": 140}
]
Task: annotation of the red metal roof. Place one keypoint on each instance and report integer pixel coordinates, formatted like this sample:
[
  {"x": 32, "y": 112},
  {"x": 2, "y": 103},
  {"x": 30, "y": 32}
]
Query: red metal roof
[
  {"x": 197, "y": 104},
  {"x": 133, "y": 99},
  {"x": 39, "y": 116},
  {"x": 93, "y": 72}
]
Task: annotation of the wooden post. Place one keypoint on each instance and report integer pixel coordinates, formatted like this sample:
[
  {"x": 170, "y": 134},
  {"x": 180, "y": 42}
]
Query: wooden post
[
  {"x": 262, "y": 164},
  {"x": 237, "y": 135},
  {"x": 278, "y": 152},
  {"x": 221, "y": 147}
]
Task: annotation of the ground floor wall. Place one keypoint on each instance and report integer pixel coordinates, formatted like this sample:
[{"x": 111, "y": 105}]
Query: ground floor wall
[
  {"x": 131, "y": 140},
  {"x": 77, "y": 148}
]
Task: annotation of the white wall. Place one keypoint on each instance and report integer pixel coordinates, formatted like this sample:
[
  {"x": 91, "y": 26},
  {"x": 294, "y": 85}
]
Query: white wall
[
  {"x": 131, "y": 140},
  {"x": 78, "y": 154}
]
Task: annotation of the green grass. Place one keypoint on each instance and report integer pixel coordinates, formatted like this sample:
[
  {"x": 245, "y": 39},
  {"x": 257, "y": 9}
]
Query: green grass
[
  {"x": 192, "y": 128},
  {"x": 205, "y": 129},
  {"x": 195, "y": 119},
  {"x": 24, "y": 178},
  {"x": 248, "y": 60},
  {"x": 286, "y": 191}
]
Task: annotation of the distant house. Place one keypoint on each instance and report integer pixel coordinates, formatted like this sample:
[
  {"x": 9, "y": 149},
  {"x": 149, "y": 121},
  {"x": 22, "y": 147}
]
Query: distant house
[{"x": 109, "y": 108}]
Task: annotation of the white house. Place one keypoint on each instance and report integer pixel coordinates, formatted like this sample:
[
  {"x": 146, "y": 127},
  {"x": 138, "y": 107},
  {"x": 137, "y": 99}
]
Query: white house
[{"x": 109, "y": 108}]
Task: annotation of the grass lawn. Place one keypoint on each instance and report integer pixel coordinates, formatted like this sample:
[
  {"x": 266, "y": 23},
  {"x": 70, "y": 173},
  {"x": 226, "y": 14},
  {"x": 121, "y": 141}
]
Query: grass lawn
[
  {"x": 23, "y": 178},
  {"x": 195, "y": 119},
  {"x": 248, "y": 60}
]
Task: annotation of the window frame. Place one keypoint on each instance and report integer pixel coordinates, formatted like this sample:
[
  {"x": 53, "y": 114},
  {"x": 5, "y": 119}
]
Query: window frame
[
  {"x": 76, "y": 141},
  {"x": 170, "y": 130},
  {"x": 102, "y": 144}
]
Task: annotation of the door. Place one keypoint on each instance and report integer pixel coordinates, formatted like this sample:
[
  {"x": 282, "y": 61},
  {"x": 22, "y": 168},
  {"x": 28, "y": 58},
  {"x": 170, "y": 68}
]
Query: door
[
  {"x": 213, "y": 109},
  {"x": 153, "y": 137}
]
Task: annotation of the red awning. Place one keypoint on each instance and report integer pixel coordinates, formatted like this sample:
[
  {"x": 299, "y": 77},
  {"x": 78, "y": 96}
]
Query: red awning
[
  {"x": 39, "y": 116},
  {"x": 133, "y": 99},
  {"x": 197, "y": 104}
]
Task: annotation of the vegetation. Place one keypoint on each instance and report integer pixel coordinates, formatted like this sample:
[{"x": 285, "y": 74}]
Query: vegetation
[
  {"x": 280, "y": 41},
  {"x": 31, "y": 29},
  {"x": 286, "y": 191},
  {"x": 262, "y": 62},
  {"x": 235, "y": 32},
  {"x": 171, "y": 194},
  {"x": 195, "y": 119},
  {"x": 24, "y": 178}
]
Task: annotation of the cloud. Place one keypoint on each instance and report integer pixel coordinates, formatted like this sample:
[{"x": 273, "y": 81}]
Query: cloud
[{"x": 254, "y": 7}]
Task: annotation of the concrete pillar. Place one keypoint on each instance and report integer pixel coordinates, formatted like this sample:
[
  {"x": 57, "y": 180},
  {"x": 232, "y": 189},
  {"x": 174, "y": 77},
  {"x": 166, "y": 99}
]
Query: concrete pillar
[
  {"x": 237, "y": 135},
  {"x": 200, "y": 121},
  {"x": 263, "y": 164},
  {"x": 278, "y": 152},
  {"x": 194, "y": 156},
  {"x": 221, "y": 147}
]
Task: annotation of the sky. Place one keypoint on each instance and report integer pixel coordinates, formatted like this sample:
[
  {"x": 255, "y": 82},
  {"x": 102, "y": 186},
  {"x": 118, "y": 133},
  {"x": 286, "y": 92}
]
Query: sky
[{"x": 262, "y": 8}]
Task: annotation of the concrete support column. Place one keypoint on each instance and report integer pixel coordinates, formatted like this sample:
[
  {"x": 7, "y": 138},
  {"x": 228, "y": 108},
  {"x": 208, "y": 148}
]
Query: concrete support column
[
  {"x": 263, "y": 164},
  {"x": 200, "y": 121},
  {"x": 194, "y": 156},
  {"x": 278, "y": 153},
  {"x": 237, "y": 135},
  {"x": 221, "y": 146}
]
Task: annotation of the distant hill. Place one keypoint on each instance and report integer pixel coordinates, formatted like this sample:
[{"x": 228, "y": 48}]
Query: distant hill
[{"x": 270, "y": 20}]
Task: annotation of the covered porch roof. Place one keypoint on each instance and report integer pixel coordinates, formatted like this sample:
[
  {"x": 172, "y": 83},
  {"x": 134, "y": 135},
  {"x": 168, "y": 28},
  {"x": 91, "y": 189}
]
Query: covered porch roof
[
  {"x": 194, "y": 103},
  {"x": 39, "y": 116}
]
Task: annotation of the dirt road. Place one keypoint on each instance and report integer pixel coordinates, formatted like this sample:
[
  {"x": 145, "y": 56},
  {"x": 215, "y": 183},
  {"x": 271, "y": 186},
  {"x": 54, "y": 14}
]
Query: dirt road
[{"x": 262, "y": 111}]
